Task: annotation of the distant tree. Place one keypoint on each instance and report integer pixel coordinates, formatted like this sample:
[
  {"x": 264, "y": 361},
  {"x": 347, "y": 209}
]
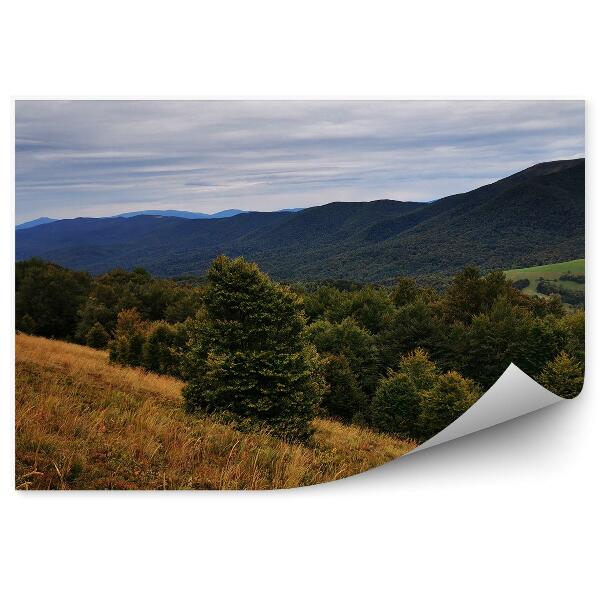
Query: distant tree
[
  {"x": 470, "y": 294},
  {"x": 406, "y": 291},
  {"x": 370, "y": 307},
  {"x": 563, "y": 376},
  {"x": 352, "y": 341},
  {"x": 97, "y": 337},
  {"x": 51, "y": 295},
  {"x": 127, "y": 344},
  {"x": 344, "y": 397},
  {"x": 521, "y": 284},
  {"x": 26, "y": 324},
  {"x": 249, "y": 357}
]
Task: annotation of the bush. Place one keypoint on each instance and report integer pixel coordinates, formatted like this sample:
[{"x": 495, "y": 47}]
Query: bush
[
  {"x": 563, "y": 376},
  {"x": 97, "y": 337},
  {"x": 521, "y": 284},
  {"x": 249, "y": 356}
]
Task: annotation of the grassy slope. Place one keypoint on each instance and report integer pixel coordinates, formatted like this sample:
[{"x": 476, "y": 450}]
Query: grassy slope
[
  {"x": 82, "y": 423},
  {"x": 551, "y": 272}
]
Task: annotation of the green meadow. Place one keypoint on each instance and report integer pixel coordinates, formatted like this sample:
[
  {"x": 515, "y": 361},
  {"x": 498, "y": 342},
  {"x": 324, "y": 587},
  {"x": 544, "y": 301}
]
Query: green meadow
[{"x": 551, "y": 272}]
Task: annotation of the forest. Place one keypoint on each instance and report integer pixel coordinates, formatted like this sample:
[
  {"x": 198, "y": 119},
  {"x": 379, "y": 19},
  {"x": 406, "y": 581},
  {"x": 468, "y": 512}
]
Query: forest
[{"x": 404, "y": 360}]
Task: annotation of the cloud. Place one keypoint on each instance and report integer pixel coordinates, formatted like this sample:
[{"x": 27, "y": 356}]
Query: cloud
[{"x": 95, "y": 158}]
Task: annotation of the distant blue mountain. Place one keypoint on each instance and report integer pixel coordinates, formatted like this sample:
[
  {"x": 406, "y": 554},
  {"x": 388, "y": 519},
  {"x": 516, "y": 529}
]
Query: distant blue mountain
[
  {"x": 184, "y": 214},
  {"x": 180, "y": 214},
  {"x": 35, "y": 223}
]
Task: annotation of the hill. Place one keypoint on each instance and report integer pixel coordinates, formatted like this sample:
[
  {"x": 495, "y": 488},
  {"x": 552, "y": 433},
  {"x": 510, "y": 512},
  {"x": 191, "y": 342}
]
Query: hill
[
  {"x": 535, "y": 216},
  {"x": 35, "y": 223},
  {"x": 82, "y": 423},
  {"x": 570, "y": 275}
]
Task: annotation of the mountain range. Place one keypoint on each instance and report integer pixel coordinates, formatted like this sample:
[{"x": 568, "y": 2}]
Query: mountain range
[
  {"x": 533, "y": 217},
  {"x": 182, "y": 214}
]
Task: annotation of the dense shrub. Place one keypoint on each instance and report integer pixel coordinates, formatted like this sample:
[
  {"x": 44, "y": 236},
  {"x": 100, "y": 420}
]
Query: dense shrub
[
  {"x": 97, "y": 337},
  {"x": 563, "y": 376},
  {"x": 249, "y": 357},
  {"x": 521, "y": 284}
]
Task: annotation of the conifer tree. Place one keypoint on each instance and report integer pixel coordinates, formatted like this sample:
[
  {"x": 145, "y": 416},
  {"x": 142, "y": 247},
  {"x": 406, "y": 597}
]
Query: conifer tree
[{"x": 249, "y": 356}]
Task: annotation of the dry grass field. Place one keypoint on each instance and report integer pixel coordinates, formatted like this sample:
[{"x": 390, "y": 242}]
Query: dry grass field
[{"x": 82, "y": 423}]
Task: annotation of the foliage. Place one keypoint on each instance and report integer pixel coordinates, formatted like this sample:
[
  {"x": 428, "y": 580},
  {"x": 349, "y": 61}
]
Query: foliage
[
  {"x": 447, "y": 400},
  {"x": 48, "y": 297},
  {"x": 249, "y": 357},
  {"x": 249, "y": 335},
  {"x": 97, "y": 337},
  {"x": 344, "y": 397},
  {"x": 521, "y": 284},
  {"x": 563, "y": 376}
]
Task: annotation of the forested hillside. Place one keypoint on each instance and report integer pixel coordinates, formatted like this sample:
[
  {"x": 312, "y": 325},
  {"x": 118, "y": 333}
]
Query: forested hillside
[
  {"x": 533, "y": 217},
  {"x": 405, "y": 360}
]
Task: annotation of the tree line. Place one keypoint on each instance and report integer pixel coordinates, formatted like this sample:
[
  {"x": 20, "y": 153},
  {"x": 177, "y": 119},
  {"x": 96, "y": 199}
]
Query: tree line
[{"x": 406, "y": 360}]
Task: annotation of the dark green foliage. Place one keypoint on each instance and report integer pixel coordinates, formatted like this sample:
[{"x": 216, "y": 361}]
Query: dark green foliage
[
  {"x": 352, "y": 341},
  {"x": 417, "y": 400},
  {"x": 447, "y": 400},
  {"x": 533, "y": 217},
  {"x": 563, "y": 376},
  {"x": 521, "y": 284},
  {"x": 50, "y": 297},
  {"x": 127, "y": 345},
  {"x": 574, "y": 297},
  {"x": 26, "y": 324},
  {"x": 164, "y": 348},
  {"x": 344, "y": 397},
  {"x": 249, "y": 356},
  {"x": 396, "y": 404},
  {"x": 572, "y": 277},
  {"x": 97, "y": 337}
]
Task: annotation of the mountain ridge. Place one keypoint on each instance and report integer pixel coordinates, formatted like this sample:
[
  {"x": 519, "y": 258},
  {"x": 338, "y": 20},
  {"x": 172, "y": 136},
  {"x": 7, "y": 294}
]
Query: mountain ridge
[{"x": 530, "y": 217}]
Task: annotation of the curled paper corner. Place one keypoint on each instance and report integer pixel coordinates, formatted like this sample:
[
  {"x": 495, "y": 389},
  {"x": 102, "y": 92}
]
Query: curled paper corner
[{"x": 513, "y": 395}]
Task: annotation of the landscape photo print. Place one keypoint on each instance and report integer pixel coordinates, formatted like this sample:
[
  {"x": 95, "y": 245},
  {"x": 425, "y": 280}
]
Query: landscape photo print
[{"x": 243, "y": 294}]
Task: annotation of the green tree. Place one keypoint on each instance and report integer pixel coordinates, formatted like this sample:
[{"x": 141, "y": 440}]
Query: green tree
[
  {"x": 563, "y": 376},
  {"x": 51, "y": 295},
  {"x": 447, "y": 400},
  {"x": 97, "y": 337},
  {"x": 249, "y": 356},
  {"x": 128, "y": 341},
  {"x": 352, "y": 341},
  {"x": 396, "y": 404},
  {"x": 344, "y": 398}
]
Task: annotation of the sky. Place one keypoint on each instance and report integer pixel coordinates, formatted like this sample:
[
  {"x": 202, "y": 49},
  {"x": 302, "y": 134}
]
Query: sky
[{"x": 99, "y": 158}]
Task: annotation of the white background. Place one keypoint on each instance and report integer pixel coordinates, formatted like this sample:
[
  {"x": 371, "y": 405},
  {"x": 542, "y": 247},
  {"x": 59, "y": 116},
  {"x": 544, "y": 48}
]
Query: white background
[{"x": 507, "y": 513}]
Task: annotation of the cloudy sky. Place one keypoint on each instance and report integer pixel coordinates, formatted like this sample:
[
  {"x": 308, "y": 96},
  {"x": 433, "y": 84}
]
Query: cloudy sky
[{"x": 99, "y": 158}]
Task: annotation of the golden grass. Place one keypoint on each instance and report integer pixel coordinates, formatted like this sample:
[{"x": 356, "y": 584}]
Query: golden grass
[{"x": 82, "y": 423}]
